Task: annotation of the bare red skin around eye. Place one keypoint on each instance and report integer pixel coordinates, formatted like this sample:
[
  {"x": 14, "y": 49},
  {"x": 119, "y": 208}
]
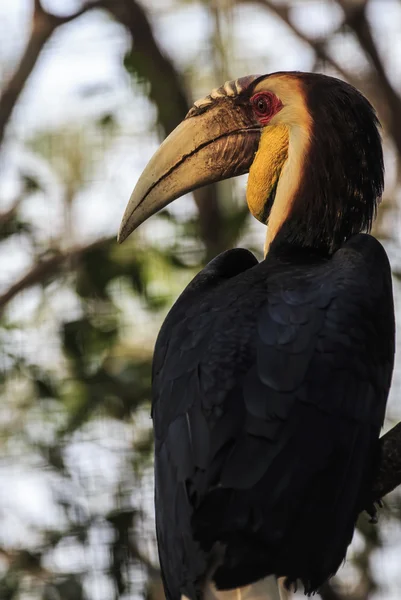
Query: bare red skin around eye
[{"x": 273, "y": 106}]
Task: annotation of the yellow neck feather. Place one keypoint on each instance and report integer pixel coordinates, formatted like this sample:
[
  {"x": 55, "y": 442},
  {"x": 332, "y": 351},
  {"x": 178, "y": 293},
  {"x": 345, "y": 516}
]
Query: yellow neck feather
[
  {"x": 280, "y": 160},
  {"x": 278, "y": 166},
  {"x": 289, "y": 182},
  {"x": 266, "y": 168}
]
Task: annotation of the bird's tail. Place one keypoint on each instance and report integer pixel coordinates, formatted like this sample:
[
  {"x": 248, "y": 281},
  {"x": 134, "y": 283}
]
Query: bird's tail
[{"x": 265, "y": 589}]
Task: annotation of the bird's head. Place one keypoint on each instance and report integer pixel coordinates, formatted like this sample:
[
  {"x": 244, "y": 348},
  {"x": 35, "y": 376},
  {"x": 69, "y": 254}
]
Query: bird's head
[{"x": 309, "y": 142}]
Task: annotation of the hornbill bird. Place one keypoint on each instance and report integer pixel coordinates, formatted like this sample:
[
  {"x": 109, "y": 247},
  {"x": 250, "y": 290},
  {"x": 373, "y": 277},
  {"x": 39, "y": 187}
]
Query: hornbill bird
[{"x": 270, "y": 379}]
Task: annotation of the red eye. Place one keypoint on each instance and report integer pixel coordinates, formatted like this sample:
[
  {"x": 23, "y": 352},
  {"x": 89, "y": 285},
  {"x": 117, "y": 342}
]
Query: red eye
[
  {"x": 262, "y": 105},
  {"x": 265, "y": 105}
]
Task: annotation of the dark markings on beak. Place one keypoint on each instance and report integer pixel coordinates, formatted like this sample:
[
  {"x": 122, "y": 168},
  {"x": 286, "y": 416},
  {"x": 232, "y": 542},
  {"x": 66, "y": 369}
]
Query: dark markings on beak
[
  {"x": 210, "y": 147},
  {"x": 223, "y": 149}
]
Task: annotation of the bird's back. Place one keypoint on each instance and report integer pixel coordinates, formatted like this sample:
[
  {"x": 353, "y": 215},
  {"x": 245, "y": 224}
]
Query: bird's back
[{"x": 270, "y": 385}]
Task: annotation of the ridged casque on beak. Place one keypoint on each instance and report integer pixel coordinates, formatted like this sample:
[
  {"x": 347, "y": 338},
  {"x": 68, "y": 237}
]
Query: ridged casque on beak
[{"x": 218, "y": 139}]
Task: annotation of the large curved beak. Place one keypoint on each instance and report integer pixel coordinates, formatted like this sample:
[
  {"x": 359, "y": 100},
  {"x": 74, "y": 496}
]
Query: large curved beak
[{"x": 217, "y": 144}]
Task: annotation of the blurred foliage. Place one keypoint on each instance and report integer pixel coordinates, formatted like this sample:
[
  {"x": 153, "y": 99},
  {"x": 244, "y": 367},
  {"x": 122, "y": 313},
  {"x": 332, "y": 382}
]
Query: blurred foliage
[{"x": 77, "y": 333}]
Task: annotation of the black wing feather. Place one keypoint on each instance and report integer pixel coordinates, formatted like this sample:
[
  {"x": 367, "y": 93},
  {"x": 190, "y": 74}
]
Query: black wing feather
[{"x": 270, "y": 386}]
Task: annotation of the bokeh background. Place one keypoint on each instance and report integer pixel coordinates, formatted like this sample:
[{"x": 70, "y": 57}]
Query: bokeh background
[{"x": 87, "y": 91}]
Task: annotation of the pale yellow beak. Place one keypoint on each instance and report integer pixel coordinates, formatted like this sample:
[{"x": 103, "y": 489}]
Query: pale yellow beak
[{"x": 219, "y": 143}]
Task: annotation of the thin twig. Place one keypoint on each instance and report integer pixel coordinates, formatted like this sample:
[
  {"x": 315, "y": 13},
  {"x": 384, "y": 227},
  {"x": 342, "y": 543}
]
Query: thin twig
[
  {"x": 46, "y": 268},
  {"x": 318, "y": 46}
]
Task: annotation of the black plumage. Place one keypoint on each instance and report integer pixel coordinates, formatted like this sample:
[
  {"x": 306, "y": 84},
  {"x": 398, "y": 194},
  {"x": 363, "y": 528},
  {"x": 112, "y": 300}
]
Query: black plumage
[
  {"x": 270, "y": 379},
  {"x": 270, "y": 386},
  {"x": 343, "y": 176}
]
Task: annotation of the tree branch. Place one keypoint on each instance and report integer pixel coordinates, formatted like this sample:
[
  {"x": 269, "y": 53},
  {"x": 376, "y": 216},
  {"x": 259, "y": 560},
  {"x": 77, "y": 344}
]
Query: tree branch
[
  {"x": 167, "y": 90},
  {"x": 8, "y": 215},
  {"x": 46, "y": 268},
  {"x": 383, "y": 94},
  {"x": 151, "y": 64},
  {"x": 282, "y": 11},
  {"x": 143, "y": 559},
  {"x": 388, "y": 476},
  {"x": 42, "y": 27},
  {"x": 356, "y": 20},
  {"x": 389, "y": 473},
  {"x": 87, "y": 6}
]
